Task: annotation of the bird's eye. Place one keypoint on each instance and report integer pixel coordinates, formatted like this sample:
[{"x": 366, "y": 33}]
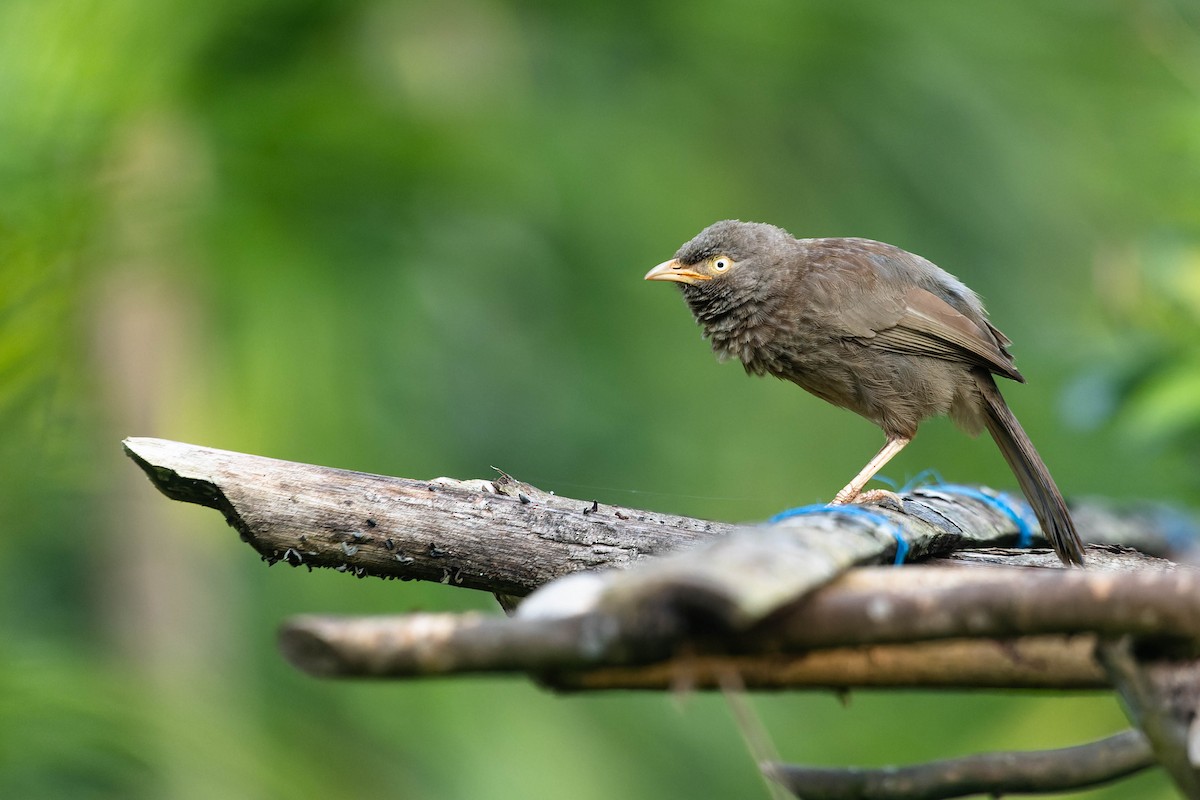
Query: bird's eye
[{"x": 721, "y": 263}]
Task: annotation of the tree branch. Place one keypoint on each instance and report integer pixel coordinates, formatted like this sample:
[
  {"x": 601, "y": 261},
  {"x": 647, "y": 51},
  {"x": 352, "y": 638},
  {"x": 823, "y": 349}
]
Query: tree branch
[
  {"x": 866, "y": 608},
  {"x": 1031, "y": 662},
  {"x": 562, "y": 654},
  {"x": 988, "y": 773},
  {"x": 507, "y": 537},
  {"x": 777, "y": 605},
  {"x": 501, "y": 536},
  {"x": 1161, "y": 689}
]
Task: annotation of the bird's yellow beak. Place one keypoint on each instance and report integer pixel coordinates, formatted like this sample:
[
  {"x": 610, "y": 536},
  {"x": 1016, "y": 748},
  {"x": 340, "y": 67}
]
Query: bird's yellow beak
[{"x": 674, "y": 271}]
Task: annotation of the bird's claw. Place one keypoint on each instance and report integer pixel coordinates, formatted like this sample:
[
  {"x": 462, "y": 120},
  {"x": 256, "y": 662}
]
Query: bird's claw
[
  {"x": 877, "y": 496},
  {"x": 860, "y": 497}
]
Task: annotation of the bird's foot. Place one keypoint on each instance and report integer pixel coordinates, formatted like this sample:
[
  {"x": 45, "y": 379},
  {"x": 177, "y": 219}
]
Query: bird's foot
[
  {"x": 878, "y": 495},
  {"x": 845, "y": 496},
  {"x": 860, "y": 497}
]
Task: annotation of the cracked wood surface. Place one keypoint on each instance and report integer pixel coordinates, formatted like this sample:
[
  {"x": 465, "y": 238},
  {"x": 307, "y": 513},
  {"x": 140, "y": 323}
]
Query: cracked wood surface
[{"x": 500, "y": 536}]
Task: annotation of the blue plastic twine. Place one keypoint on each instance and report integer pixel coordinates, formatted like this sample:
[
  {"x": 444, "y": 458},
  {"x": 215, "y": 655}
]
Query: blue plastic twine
[
  {"x": 1002, "y": 502},
  {"x": 922, "y": 478},
  {"x": 852, "y": 511}
]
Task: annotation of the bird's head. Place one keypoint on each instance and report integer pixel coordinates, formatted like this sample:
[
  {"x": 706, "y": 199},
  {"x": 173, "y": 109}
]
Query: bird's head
[{"x": 726, "y": 264}]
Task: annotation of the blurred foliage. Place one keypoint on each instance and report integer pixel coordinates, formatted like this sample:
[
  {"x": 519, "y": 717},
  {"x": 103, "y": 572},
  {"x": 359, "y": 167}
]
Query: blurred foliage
[
  {"x": 1151, "y": 387},
  {"x": 408, "y": 237}
]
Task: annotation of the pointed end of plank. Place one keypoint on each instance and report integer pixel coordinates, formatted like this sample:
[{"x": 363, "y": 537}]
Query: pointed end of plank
[{"x": 165, "y": 463}]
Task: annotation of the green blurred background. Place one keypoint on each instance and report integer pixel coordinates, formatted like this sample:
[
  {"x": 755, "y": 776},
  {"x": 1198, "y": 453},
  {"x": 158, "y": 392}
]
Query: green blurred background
[{"x": 408, "y": 238}]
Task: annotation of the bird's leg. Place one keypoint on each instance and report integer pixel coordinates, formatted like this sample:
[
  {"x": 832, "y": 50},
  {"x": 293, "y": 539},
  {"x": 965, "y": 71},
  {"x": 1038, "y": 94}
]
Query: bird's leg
[{"x": 891, "y": 447}]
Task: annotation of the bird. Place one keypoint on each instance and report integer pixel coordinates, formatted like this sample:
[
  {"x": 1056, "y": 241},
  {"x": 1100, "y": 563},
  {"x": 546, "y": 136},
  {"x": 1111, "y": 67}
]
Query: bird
[{"x": 869, "y": 327}]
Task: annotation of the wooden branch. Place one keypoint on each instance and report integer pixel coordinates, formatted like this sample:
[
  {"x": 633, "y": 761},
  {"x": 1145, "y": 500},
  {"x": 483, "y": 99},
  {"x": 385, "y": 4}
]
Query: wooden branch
[
  {"x": 879, "y": 605},
  {"x": 854, "y": 616},
  {"x": 1031, "y": 662},
  {"x": 992, "y": 774},
  {"x": 560, "y": 654},
  {"x": 501, "y": 536},
  {"x": 1160, "y": 687},
  {"x": 430, "y": 644},
  {"x": 774, "y": 605},
  {"x": 507, "y": 537}
]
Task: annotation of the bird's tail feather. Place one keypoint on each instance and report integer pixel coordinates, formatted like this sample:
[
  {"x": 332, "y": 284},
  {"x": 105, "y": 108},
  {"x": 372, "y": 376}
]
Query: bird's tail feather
[{"x": 1031, "y": 472}]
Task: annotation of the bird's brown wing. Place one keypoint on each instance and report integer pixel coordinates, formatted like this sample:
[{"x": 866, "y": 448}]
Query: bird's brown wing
[
  {"x": 925, "y": 324},
  {"x": 893, "y": 300}
]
